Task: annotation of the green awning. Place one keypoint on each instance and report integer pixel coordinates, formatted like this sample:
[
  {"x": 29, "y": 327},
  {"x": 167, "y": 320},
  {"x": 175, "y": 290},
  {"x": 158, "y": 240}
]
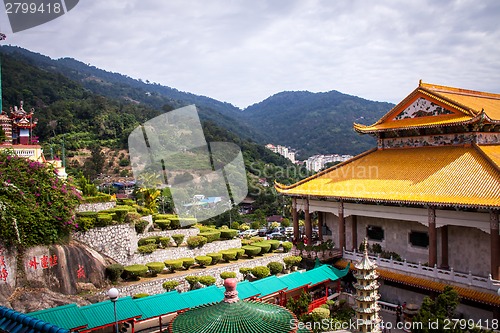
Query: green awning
[
  {"x": 66, "y": 316},
  {"x": 269, "y": 285},
  {"x": 201, "y": 296},
  {"x": 101, "y": 314},
  {"x": 158, "y": 305}
]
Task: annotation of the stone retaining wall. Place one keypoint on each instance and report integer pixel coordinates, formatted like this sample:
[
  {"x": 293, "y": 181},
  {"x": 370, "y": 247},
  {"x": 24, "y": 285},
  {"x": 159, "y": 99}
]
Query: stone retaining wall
[
  {"x": 95, "y": 207},
  {"x": 155, "y": 287}
]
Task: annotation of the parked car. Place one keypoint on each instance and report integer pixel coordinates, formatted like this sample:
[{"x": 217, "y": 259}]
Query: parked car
[
  {"x": 276, "y": 235},
  {"x": 288, "y": 230},
  {"x": 262, "y": 232},
  {"x": 249, "y": 233}
]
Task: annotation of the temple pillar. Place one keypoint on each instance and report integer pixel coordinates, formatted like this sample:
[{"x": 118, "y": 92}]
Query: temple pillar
[
  {"x": 354, "y": 232},
  {"x": 308, "y": 222},
  {"x": 432, "y": 236},
  {"x": 444, "y": 247},
  {"x": 321, "y": 222},
  {"x": 495, "y": 245},
  {"x": 341, "y": 226},
  {"x": 295, "y": 220}
]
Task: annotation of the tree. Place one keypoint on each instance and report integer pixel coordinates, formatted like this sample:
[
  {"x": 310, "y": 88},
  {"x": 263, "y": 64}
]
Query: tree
[{"x": 2, "y": 135}]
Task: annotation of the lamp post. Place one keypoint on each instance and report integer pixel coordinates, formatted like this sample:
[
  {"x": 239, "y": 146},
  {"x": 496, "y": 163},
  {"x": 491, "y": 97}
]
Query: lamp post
[{"x": 113, "y": 296}]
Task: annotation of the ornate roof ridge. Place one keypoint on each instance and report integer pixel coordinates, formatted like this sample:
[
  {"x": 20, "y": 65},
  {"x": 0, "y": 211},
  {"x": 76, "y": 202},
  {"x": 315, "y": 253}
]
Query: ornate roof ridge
[{"x": 460, "y": 91}]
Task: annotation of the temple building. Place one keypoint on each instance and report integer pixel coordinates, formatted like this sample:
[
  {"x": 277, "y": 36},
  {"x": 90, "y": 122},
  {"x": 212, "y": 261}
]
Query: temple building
[{"x": 428, "y": 194}]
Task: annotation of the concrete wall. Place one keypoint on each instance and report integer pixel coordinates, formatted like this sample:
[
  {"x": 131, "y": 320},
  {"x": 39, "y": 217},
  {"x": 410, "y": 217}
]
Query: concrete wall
[
  {"x": 468, "y": 248},
  {"x": 95, "y": 207}
]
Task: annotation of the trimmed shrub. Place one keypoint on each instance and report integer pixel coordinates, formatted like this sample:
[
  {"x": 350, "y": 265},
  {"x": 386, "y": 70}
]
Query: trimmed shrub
[
  {"x": 203, "y": 260},
  {"x": 227, "y": 275},
  {"x": 173, "y": 265},
  {"x": 274, "y": 244},
  {"x": 216, "y": 257},
  {"x": 204, "y": 228},
  {"x": 135, "y": 271},
  {"x": 228, "y": 255},
  {"x": 260, "y": 272},
  {"x": 145, "y": 249},
  {"x": 132, "y": 217},
  {"x": 245, "y": 241},
  {"x": 239, "y": 252},
  {"x": 140, "y": 295},
  {"x": 196, "y": 241},
  {"x": 164, "y": 241},
  {"x": 146, "y": 241},
  {"x": 114, "y": 271},
  {"x": 140, "y": 226},
  {"x": 155, "y": 268},
  {"x": 85, "y": 223},
  {"x": 292, "y": 261},
  {"x": 163, "y": 224},
  {"x": 206, "y": 280},
  {"x": 264, "y": 246},
  {"x": 120, "y": 214},
  {"x": 210, "y": 235},
  {"x": 187, "y": 262},
  {"x": 275, "y": 267},
  {"x": 245, "y": 271},
  {"x": 92, "y": 215},
  {"x": 193, "y": 281},
  {"x": 175, "y": 222},
  {"x": 251, "y": 251},
  {"x": 287, "y": 246},
  {"x": 178, "y": 239},
  {"x": 103, "y": 220},
  {"x": 170, "y": 285},
  {"x": 228, "y": 233},
  {"x": 321, "y": 313}
]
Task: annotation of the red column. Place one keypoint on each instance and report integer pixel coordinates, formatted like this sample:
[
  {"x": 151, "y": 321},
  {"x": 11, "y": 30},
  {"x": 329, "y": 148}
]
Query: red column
[
  {"x": 354, "y": 232},
  {"x": 444, "y": 247},
  {"x": 341, "y": 226},
  {"x": 432, "y": 236},
  {"x": 495, "y": 245},
  {"x": 295, "y": 219},
  {"x": 308, "y": 222}
]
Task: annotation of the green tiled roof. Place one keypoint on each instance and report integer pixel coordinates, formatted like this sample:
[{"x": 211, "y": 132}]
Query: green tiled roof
[
  {"x": 245, "y": 289},
  {"x": 239, "y": 317},
  {"x": 65, "y": 316},
  {"x": 269, "y": 285},
  {"x": 16, "y": 322},
  {"x": 157, "y": 305},
  {"x": 102, "y": 313},
  {"x": 201, "y": 296}
]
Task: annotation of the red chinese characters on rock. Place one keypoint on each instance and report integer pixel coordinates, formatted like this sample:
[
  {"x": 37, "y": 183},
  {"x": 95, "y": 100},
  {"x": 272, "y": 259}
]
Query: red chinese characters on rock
[
  {"x": 80, "y": 273},
  {"x": 44, "y": 262},
  {"x": 3, "y": 267}
]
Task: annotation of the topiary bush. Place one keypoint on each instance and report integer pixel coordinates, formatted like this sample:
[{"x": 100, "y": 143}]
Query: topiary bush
[
  {"x": 155, "y": 268},
  {"x": 245, "y": 271},
  {"x": 146, "y": 241},
  {"x": 193, "y": 281},
  {"x": 140, "y": 226},
  {"x": 228, "y": 233},
  {"x": 187, "y": 262},
  {"x": 196, "y": 241},
  {"x": 163, "y": 224},
  {"x": 170, "y": 285},
  {"x": 173, "y": 265},
  {"x": 239, "y": 252},
  {"x": 132, "y": 217},
  {"x": 292, "y": 261},
  {"x": 164, "y": 241},
  {"x": 206, "y": 280},
  {"x": 321, "y": 313},
  {"x": 140, "y": 295},
  {"x": 114, "y": 271},
  {"x": 146, "y": 249},
  {"x": 203, "y": 261},
  {"x": 120, "y": 214},
  {"x": 264, "y": 247},
  {"x": 275, "y": 267},
  {"x": 251, "y": 251},
  {"x": 134, "y": 272},
  {"x": 210, "y": 235},
  {"x": 216, "y": 257},
  {"x": 178, "y": 239},
  {"x": 104, "y": 220},
  {"x": 227, "y": 275},
  {"x": 85, "y": 223},
  {"x": 228, "y": 255},
  {"x": 260, "y": 272},
  {"x": 287, "y": 246},
  {"x": 274, "y": 244}
]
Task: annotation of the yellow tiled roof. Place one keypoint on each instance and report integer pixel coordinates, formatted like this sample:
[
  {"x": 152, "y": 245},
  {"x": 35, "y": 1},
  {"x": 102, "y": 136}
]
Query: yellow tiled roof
[
  {"x": 468, "y": 104},
  {"x": 471, "y": 294},
  {"x": 492, "y": 152},
  {"x": 451, "y": 175}
]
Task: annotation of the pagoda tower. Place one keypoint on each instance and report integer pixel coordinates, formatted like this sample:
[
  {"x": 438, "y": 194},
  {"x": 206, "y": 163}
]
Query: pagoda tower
[
  {"x": 366, "y": 308},
  {"x": 22, "y": 125}
]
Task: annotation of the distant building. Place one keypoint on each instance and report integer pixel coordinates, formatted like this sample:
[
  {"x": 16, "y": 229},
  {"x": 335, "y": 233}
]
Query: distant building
[
  {"x": 283, "y": 151},
  {"x": 318, "y": 162}
]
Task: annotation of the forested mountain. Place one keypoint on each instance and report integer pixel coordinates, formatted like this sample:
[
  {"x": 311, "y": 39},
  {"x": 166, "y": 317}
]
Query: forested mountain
[{"x": 316, "y": 123}]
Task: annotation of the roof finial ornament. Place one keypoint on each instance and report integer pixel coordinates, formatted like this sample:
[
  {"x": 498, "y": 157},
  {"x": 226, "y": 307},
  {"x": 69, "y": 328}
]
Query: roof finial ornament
[
  {"x": 365, "y": 246},
  {"x": 420, "y": 82},
  {"x": 231, "y": 294}
]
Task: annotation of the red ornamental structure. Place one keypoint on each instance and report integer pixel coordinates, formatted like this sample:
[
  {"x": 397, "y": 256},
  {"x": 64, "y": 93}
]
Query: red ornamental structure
[{"x": 22, "y": 125}]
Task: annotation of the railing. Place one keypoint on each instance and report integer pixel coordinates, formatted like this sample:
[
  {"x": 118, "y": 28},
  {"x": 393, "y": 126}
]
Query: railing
[
  {"x": 317, "y": 303},
  {"x": 433, "y": 272}
]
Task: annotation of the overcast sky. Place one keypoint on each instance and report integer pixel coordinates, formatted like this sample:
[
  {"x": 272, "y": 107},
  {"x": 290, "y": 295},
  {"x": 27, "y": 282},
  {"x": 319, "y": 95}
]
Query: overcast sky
[{"x": 243, "y": 51}]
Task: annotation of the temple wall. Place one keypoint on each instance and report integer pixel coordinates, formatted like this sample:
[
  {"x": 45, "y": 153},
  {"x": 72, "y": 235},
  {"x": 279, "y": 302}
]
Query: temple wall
[{"x": 469, "y": 250}]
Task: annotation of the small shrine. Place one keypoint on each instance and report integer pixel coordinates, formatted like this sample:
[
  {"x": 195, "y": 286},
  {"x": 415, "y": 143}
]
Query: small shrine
[
  {"x": 367, "y": 309},
  {"x": 22, "y": 123}
]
